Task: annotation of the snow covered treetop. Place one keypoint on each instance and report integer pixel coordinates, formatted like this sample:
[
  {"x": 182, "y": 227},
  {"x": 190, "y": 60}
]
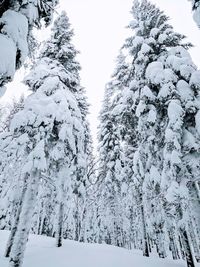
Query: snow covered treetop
[
  {"x": 146, "y": 13},
  {"x": 59, "y": 46},
  {"x": 149, "y": 21},
  {"x": 152, "y": 36},
  {"x": 62, "y": 26}
]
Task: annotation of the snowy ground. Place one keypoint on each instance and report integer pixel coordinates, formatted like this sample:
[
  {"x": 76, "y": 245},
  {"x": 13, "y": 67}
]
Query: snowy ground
[{"x": 41, "y": 252}]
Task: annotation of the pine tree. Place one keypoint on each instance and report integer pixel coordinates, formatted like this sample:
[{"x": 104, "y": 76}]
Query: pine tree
[
  {"x": 80, "y": 177},
  {"x": 159, "y": 65},
  {"x": 111, "y": 174},
  {"x": 77, "y": 202},
  {"x": 144, "y": 47},
  {"x": 61, "y": 48},
  {"x": 52, "y": 132},
  {"x": 10, "y": 189}
]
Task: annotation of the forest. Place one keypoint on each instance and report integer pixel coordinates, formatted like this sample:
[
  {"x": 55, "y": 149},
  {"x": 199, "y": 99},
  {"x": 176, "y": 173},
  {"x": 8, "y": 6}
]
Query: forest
[{"x": 140, "y": 191}]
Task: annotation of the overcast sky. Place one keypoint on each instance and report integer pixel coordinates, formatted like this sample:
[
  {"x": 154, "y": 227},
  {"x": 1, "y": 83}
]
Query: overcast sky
[{"x": 99, "y": 27}]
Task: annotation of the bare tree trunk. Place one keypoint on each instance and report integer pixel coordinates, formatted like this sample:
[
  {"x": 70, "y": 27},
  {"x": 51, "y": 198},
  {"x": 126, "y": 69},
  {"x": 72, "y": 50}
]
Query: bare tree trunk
[
  {"x": 197, "y": 190},
  {"x": 83, "y": 237},
  {"x": 16, "y": 222},
  {"x": 145, "y": 237},
  {"x": 160, "y": 244},
  {"x": 59, "y": 234},
  {"x": 187, "y": 247},
  {"x": 194, "y": 239},
  {"x": 181, "y": 248},
  {"x": 173, "y": 244},
  {"x": 149, "y": 243},
  {"x": 77, "y": 223},
  {"x": 23, "y": 229},
  {"x": 40, "y": 230}
]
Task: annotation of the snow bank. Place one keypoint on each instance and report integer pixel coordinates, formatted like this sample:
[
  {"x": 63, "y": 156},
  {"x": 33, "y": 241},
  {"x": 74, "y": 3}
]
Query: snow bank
[{"x": 41, "y": 252}]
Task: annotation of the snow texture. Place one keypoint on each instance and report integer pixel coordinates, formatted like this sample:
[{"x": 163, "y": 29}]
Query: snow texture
[
  {"x": 41, "y": 251},
  {"x": 16, "y": 28},
  {"x": 13, "y": 41},
  {"x": 7, "y": 57}
]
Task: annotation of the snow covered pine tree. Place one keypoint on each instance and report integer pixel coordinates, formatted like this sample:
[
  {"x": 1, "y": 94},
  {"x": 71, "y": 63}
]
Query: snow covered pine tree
[
  {"x": 60, "y": 47},
  {"x": 48, "y": 133},
  {"x": 162, "y": 94},
  {"x": 111, "y": 163},
  {"x": 17, "y": 18}
]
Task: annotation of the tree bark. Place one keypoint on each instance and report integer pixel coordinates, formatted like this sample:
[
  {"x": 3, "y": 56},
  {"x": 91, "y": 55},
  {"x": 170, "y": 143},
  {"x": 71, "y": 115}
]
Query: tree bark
[
  {"x": 173, "y": 245},
  {"x": 187, "y": 247},
  {"x": 145, "y": 237},
  {"x": 4, "y": 5},
  {"x": 194, "y": 239},
  {"x": 16, "y": 222},
  {"x": 160, "y": 244},
  {"x": 23, "y": 229},
  {"x": 197, "y": 190},
  {"x": 59, "y": 234}
]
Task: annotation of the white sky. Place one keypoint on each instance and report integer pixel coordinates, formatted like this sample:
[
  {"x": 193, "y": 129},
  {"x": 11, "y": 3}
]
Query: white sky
[{"x": 99, "y": 27}]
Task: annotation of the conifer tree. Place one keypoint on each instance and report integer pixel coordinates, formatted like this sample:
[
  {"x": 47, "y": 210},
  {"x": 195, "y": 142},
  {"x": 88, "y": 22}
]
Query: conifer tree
[
  {"x": 77, "y": 202},
  {"x": 10, "y": 171},
  {"x": 111, "y": 174},
  {"x": 149, "y": 24},
  {"x": 60, "y": 47},
  {"x": 160, "y": 62},
  {"x": 52, "y": 131}
]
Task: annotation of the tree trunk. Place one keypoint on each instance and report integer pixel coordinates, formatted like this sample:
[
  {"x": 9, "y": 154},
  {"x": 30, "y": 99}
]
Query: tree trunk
[
  {"x": 194, "y": 239},
  {"x": 83, "y": 232},
  {"x": 16, "y": 222},
  {"x": 59, "y": 234},
  {"x": 76, "y": 218},
  {"x": 197, "y": 190},
  {"x": 149, "y": 243},
  {"x": 22, "y": 233},
  {"x": 41, "y": 229},
  {"x": 4, "y": 5},
  {"x": 145, "y": 237},
  {"x": 181, "y": 248},
  {"x": 173, "y": 245},
  {"x": 160, "y": 244},
  {"x": 187, "y": 247}
]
